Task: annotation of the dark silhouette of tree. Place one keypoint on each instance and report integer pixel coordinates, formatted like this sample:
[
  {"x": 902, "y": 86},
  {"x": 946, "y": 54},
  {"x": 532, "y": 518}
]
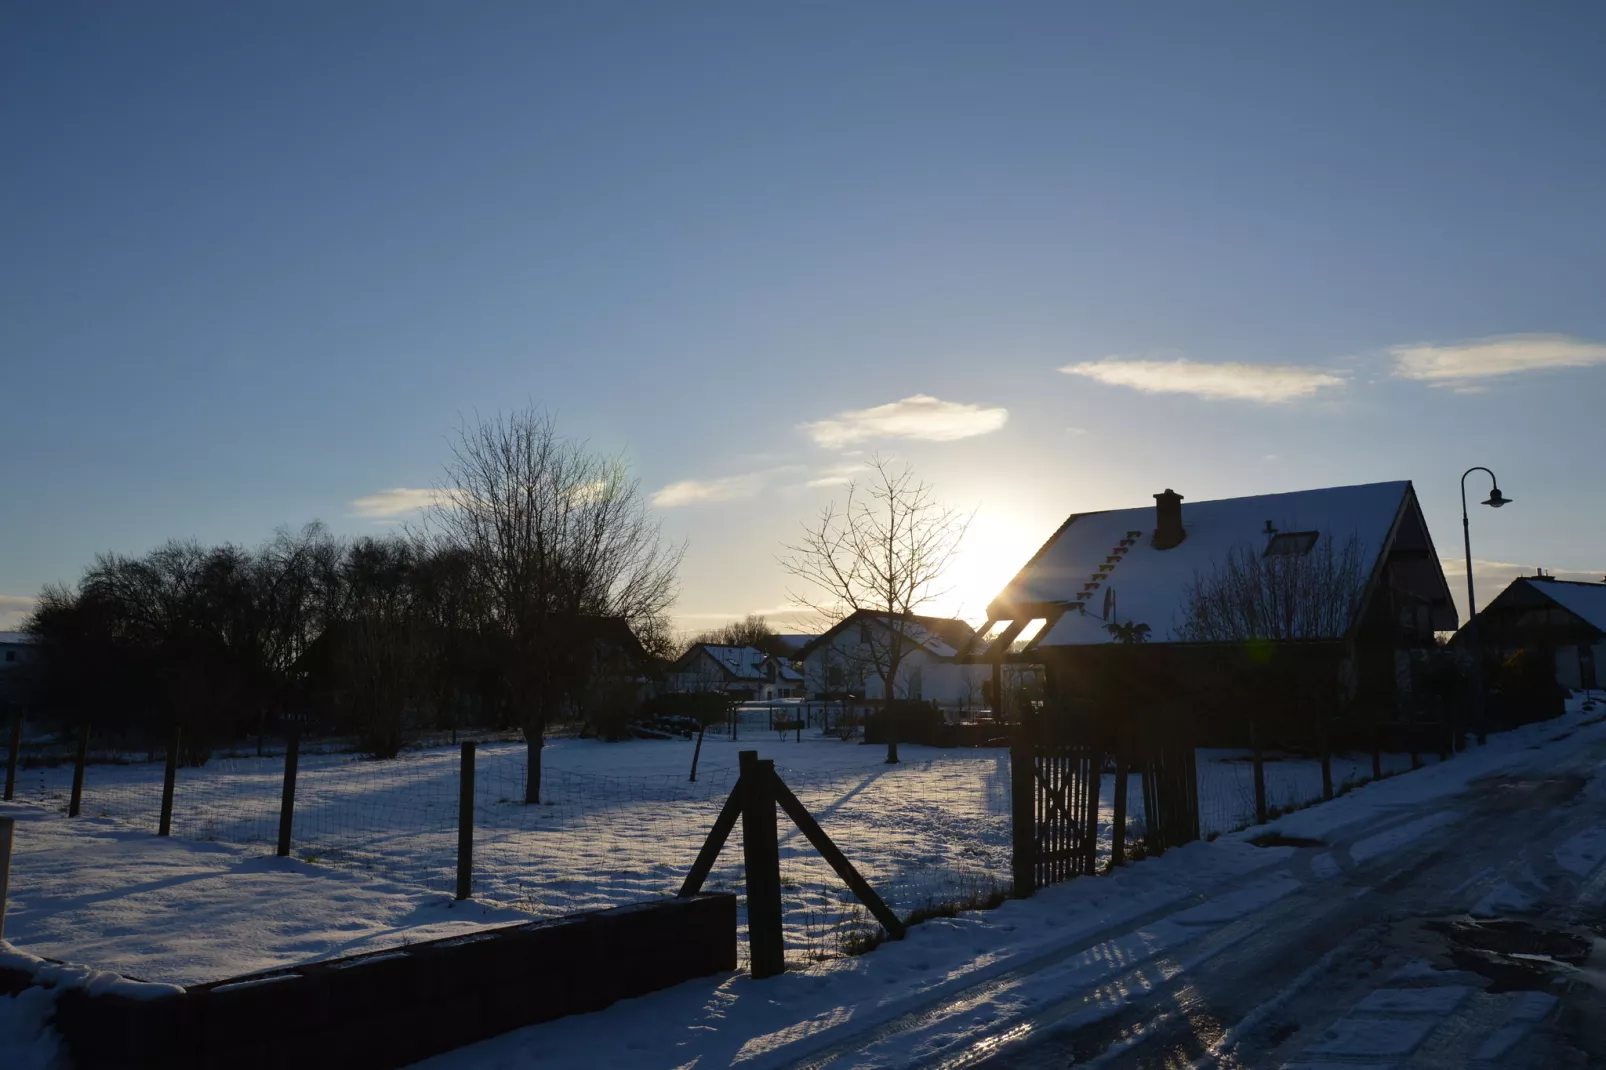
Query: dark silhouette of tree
[
  {"x": 554, "y": 533},
  {"x": 884, "y": 552}
]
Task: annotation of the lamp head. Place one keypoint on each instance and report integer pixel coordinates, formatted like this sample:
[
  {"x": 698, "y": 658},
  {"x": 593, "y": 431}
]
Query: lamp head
[{"x": 1496, "y": 499}]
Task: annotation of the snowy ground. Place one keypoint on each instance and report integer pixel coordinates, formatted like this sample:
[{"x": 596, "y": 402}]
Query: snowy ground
[
  {"x": 1090, "y": 969},
  {"x": 619, "y": 823}
]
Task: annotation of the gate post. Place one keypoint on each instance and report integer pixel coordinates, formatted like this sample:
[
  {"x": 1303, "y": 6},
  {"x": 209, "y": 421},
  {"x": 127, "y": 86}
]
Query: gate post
[
  {"x": 1023, "y": 807},
  {"x": 465, "y": 821},
  {"x": 761, "y": 853}
]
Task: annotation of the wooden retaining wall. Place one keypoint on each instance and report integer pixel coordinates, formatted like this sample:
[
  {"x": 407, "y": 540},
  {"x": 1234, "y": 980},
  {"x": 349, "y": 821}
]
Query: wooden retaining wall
[{"x": 389, "y": 1008}]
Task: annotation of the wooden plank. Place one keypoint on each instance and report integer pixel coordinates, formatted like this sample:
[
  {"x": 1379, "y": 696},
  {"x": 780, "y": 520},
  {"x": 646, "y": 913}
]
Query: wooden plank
[
  {"x": 1023, "y": 809},
  {"x": 723, "y": 824},
  {"x": 838, "y": 861}
]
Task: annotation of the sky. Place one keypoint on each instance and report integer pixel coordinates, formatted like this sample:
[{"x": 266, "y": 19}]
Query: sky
[{"x": 260, "y": 260}]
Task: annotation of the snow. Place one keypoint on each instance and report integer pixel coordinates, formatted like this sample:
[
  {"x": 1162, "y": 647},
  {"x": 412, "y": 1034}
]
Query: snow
[
  {"x": 177, "y": 911},
  {"x": 1149, "y": 584},
  {"x": 1069, "y": 940},
  {"x": 1586, "y": 601},
  {"x": 15, "y": 638}
]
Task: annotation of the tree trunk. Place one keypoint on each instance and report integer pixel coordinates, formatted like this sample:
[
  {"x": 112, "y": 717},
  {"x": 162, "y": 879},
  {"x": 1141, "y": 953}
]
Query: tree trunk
[{"x": 533, "y": 734}]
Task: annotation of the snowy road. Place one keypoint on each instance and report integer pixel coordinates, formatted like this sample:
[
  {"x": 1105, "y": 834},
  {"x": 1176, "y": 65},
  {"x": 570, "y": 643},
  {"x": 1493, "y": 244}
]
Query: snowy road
[{"x": 1353, "y": 950}]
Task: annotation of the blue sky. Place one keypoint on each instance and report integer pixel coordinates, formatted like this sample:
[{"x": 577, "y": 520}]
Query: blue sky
[{"x": 260, "y": 259}]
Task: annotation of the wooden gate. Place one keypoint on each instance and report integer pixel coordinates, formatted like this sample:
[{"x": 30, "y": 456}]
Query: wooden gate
[
  {"x": 1055, "y": 778},
  {"x": 1057, "y": 763}
]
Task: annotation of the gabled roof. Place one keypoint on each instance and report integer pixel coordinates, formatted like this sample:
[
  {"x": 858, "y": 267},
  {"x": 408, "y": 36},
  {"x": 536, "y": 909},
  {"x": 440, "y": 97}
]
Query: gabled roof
[
  {"x": 1102, "y": 567},
  {"x": 941, "y": 637},
  {"x": 1586, "y": 601},
  {"x": 743, "y": 662}
]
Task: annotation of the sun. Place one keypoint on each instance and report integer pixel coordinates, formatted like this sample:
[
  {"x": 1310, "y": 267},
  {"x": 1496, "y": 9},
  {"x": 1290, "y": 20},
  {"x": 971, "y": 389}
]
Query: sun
[{"x": 994, "y": 549}]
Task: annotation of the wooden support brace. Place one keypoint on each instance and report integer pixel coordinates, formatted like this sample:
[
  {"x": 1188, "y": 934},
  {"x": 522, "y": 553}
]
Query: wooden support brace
[
  {"x": 839, "y": 862},
  {"x": 715, "y": 842}
]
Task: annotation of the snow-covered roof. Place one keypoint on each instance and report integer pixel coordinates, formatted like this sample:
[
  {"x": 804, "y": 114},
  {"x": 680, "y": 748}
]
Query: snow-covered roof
[
  {"x": 942, "y": 637},
  {"x": 1586, "y": 601},
  {"x": 742, "y": 662},
  {"x": 15, "y": 638},
  {"x": 1105, "y": 567}
]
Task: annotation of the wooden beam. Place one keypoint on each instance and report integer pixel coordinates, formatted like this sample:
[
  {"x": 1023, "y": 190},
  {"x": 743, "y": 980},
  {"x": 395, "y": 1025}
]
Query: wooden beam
[
  {"x": 715, "y": 843},
  {"x": 839, "y": 862}
]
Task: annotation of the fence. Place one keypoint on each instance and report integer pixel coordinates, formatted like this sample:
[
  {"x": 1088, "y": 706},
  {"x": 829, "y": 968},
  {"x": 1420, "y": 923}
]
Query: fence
[{"x": 930, "y": 836}]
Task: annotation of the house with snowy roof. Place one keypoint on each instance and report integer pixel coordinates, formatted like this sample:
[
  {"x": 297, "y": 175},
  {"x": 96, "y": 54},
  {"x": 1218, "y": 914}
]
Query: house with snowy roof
[
  {"x": 740, "y": 671},
  {"x": 1562, "y": 621},
  {"x": 843, "y": 661},
  {"x": 1146, "y": 574}
]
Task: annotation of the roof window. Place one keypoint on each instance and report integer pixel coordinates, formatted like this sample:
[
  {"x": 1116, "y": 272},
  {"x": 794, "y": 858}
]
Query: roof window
[{"x": 1290, "y": 543}]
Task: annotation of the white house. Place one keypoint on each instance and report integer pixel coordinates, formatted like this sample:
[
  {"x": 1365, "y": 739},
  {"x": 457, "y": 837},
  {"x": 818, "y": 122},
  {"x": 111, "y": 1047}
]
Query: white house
[
  {"x": 741, "y": 671},
  {"x": 844, "y": 660}
]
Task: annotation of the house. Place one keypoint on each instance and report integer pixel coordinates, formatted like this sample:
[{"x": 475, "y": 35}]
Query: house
[
  {"x": 1563, "y": 621},
  {"x": 16, "y": 650},
  {"x": 741, "y": 671},
  {"x": 844, "y": 660},
  {"x": 1138, "y": 573}
]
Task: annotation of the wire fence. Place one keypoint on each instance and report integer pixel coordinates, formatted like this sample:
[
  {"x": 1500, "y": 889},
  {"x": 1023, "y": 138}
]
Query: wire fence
[{"x": 931, "y": 836}]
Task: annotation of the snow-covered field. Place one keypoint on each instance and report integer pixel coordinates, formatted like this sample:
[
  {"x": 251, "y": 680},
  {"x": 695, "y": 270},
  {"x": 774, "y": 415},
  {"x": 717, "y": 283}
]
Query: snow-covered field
[{"x": 618, "y": 823}]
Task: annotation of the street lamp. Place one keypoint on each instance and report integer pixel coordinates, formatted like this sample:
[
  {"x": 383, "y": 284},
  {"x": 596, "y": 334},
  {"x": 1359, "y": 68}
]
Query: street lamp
[{"x": 1495, "y": 501}]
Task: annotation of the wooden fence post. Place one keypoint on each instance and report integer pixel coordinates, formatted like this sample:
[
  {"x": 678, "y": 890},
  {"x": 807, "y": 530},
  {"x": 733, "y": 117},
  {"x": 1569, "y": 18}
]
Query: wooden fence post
[
  {"x": 1260, "y": 774},
  {"x": 11, "y": 759},
  {"x": 761, "y": 853},
  {"x": 76, "y": 801},
  {"x": 702, "y": 726},
  {"x": 1118, "y": 818},
  {"x": 465, "y": 822},
  {"x": 1327, "y": 757},
  {"x": 8, "y": 830},
  {"x": 164, "y": 825},
  {"x": 287, "y": 799},
  {"x": 1377, "y": 749},
  {"x": 1023, "y": 809}
]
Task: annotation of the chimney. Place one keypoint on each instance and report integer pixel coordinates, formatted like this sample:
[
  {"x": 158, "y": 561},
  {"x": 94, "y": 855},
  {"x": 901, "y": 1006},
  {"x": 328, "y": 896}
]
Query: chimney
[{"x": 1168, "y": 520}]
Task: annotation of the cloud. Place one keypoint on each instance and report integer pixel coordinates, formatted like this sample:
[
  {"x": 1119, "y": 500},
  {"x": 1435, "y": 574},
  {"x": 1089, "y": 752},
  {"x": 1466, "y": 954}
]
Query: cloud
[
  {"x": 1267, "y": 383},
  {"x": 694, "y": 491},
  {"x": 920, "y": 417},
  {"x": 14, "y": 610},
  {"x": 1460, "y": 365},
  {"x": 836, "y": 475},
  {"x": 393, "y": 504}
]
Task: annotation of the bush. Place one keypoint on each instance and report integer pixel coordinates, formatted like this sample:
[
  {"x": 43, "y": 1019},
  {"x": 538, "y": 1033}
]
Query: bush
[{"x": 911, "y": 722}]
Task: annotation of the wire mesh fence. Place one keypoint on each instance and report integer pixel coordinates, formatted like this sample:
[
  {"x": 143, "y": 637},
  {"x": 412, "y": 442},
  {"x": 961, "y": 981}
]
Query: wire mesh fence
[{"x": 932, "y": 836}]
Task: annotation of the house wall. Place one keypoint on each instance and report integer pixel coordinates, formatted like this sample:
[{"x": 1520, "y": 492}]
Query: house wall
[
  {"x": 1574, "y": 663},
  {"x": 921, "y": 675}
]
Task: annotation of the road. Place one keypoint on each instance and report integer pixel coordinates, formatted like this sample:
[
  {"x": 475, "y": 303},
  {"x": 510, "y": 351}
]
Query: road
[{"x": 1462, "y": 932}]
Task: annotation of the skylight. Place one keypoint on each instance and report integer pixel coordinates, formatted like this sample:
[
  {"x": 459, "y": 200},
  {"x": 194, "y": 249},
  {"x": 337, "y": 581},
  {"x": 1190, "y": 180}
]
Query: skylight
[{"x": 1289, "y": 543}]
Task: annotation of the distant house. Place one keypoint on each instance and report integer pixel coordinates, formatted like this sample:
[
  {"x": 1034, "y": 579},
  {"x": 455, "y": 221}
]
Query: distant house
[
  {"x": 1139, "y": 567},
  {"x": 844, "y": 660},
  {"x": 743, "y": 672},
  {"x": 1561, "y": 620},
  {"x": 17, "y": 649}
]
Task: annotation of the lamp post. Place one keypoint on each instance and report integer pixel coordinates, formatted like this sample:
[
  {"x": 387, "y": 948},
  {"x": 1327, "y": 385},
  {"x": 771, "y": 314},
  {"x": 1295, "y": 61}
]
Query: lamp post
[{"x": 1496, "y": 500}]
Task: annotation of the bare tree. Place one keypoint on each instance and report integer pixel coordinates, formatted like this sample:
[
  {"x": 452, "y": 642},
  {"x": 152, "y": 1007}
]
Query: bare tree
[
  {"x": 882, "y": 553},
  {"x": 752, "y": 630},
  {"x": 1254, "y": 595},
  {"x": 554, "y": 534}
]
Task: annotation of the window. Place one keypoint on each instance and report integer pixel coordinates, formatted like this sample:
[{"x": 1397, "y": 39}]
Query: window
[
  {"x": 11, "y": 655},
  {"x": 1289, "y": 543}
]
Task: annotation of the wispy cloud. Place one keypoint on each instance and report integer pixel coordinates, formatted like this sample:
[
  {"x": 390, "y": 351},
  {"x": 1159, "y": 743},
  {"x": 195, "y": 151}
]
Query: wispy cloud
[
  {"x": 14, "y": 610},
  {"x": 1462, "y": 365},
  {"x": 920, "y": 417},
  {"x": 696, "y": 491},
  {"x": 1266, "y": 383},
  {"x": 393, "y": 504},
  {"x": 836, "y": 475}
]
